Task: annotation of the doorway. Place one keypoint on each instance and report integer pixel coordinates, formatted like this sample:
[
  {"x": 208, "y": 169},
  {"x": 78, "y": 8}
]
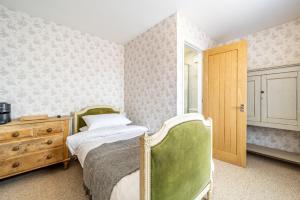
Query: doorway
[{"x": 192, "y": 79}]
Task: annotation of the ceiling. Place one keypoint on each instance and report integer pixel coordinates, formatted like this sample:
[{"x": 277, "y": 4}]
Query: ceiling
[{"x": 122, "y": 20}]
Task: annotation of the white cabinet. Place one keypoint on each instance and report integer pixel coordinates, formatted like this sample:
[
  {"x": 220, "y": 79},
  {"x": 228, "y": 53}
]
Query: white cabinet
[
  {"x": 274, "y": 98},
  {"x": 253, "y": 98},
  {"x": 279, "y": 101}
]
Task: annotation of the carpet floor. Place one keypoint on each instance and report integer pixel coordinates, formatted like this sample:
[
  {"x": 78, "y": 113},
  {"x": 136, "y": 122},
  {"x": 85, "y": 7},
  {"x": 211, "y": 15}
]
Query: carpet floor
[{"x": 263, "y": 179}]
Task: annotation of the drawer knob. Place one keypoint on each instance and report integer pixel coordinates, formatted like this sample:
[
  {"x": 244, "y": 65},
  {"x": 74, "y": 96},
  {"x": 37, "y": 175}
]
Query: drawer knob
[
  {"x": 16, "y": 148},
  {"x": 49, "y": 130},
  {"x": 16, "y": 164},
  {"x": 49, "y": 142},
  {"x": 49, "y": 156},
  {"x": 15, "y": 134}
]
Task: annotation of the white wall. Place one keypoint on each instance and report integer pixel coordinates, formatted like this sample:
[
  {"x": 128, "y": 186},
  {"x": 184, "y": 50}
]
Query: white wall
[{"x": 52, "y": 69}]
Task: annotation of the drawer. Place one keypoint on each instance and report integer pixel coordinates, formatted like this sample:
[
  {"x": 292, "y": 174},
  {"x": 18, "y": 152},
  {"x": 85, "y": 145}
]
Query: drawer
[
  {"x": 25, "y": 163},
  {"x": 15, "y": 134},
  {"x": 49, "y": 128},
  {"x": 16, "y": 148}
]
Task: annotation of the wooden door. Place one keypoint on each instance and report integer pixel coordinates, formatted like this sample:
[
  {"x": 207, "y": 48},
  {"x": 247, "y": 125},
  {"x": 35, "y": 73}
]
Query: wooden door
[
  {"x": 279, "y": 98},
  {"x": 253, "y": 98},
  {"x": 225, "y": 100}
]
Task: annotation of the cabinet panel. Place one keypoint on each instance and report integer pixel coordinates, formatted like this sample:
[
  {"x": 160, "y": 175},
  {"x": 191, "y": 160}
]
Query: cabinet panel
[
  {"x": 253, "y": 98},
  {"x": 279, "y": 101}
]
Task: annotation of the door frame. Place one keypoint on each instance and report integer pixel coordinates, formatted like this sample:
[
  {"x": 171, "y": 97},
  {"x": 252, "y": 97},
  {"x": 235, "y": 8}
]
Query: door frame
[{"x": 180, "y": 78}]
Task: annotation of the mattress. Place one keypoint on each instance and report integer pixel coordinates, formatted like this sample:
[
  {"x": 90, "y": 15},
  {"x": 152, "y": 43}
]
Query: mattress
[{"x": 81, "y": 143}]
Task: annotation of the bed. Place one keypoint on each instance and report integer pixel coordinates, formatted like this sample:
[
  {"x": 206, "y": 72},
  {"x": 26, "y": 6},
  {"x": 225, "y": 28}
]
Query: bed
[
  {"x": 111, "y": 163},
  {"x": 81, "y": 143}
]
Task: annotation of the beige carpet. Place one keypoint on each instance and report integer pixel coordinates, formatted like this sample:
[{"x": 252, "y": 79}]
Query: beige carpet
[{"x": 263, "y": 179}]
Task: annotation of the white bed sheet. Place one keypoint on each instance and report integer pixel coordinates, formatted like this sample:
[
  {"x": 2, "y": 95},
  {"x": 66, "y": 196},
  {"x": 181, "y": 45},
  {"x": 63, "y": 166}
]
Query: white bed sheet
[{"x": 81, "y": 143}]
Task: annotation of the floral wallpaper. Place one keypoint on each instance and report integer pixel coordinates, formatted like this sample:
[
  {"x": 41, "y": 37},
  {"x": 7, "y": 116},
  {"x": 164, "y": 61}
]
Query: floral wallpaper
[
  {"x": 150, "y": 75},
  {"x": 52, "y": 69},
  {"x": 272, "y": 47},
  {"x": 189, "y": 32},
  {"x": 276, "y": 46},
  {"x": 275, "y": 138}
]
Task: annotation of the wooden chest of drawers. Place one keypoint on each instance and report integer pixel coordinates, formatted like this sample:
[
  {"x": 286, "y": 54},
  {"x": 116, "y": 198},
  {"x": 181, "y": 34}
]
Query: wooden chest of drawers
[{"x": 28, "y": 145}]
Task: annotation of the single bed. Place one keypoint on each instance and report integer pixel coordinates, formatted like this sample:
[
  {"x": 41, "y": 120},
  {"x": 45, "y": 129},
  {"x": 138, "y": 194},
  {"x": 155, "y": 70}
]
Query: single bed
[
  {"x": 111, "y": 163},
  {"x": 81, "y": 143}
]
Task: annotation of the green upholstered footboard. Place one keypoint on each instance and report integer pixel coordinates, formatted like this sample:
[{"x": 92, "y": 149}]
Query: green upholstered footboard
[{"x": 181, "y": 162}]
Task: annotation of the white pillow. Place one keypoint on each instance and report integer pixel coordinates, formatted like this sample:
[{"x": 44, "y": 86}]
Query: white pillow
[
  {"x": 105, "y": 120},
  {"x": 85, "y": 128}
]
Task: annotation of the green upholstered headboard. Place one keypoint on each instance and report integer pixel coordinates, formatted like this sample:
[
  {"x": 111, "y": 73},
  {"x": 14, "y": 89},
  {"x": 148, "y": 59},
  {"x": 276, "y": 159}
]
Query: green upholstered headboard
[
  {"x": 94, "y": 110},
  {"x": 177, "y": 164}
]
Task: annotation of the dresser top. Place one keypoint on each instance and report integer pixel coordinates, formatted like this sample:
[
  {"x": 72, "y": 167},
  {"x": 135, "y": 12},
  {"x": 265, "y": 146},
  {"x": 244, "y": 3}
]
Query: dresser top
[{"x": 50, "y": 119}]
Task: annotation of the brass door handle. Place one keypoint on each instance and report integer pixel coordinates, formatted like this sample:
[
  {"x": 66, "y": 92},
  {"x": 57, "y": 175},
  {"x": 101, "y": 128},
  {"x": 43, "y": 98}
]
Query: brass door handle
[
  {"x": 49, "y": 130},
  {"x": 15, "y": 134},
  {"x": 16, "y": 148},
  {"x": 16, "y": 164},
  {"x": 49, "y": 142}
]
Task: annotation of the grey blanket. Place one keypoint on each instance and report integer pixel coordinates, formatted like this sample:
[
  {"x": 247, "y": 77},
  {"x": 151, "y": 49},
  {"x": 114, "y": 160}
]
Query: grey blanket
[{"x": 107, "y": 164}]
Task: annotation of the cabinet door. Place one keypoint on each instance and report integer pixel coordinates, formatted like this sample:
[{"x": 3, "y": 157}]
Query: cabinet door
[
  {"x": 279, "y": 100},
  {"x": 253, "y": 97}
]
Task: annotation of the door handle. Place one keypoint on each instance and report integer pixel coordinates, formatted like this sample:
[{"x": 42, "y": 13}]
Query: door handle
[{"x": 242, "y": 108}]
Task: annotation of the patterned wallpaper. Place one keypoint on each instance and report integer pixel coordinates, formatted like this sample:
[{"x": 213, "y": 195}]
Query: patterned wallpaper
[
  {"x": 189, "y": 32},
  {"x": 49, "y": 68},
  {"x": 274, "y": 138},
  {"x": 150, "y": 75},
  {"x": 275, "y": 46},
  {"x": 151, "y": 70}
]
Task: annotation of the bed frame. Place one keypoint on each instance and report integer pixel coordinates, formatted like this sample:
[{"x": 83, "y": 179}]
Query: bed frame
[
  {"x": 148, "y": 142},
  {"x": 92, "y": 110}
]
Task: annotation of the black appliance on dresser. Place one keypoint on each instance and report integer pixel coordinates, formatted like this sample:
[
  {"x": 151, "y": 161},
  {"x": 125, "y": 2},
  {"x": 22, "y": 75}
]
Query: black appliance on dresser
[{"x": 4, "y": 113}]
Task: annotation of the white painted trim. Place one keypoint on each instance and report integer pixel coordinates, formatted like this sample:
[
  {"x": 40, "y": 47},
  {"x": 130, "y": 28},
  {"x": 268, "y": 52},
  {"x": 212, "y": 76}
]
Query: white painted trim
[
  {"x": 193, "y": 110},
  {"x": 180, "y": 73},
  {"x": 200, "y": 83},
  {"x": 180, "y": 76},
  {"x": 274, "y": 70}
]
